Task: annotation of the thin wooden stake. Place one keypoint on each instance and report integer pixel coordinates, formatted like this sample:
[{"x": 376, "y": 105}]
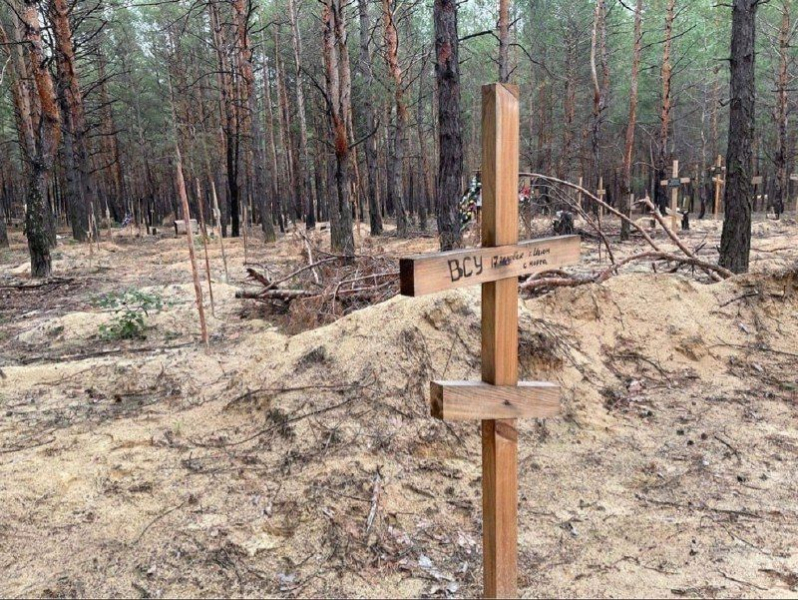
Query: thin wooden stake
[
  {"x": 500, "y": 157},
  {"x": 244, "y": 229},
  {"x": 181, "y": 190},
  {"x": 91, "y": 235},
  {"x": 675, "y": 198},
  {"x": 218, "y": 216},
  {"x": 205, "y": 246}
]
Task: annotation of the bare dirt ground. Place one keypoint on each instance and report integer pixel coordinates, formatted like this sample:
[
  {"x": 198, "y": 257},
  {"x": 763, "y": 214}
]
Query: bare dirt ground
[{"x": 292, "y": 461}]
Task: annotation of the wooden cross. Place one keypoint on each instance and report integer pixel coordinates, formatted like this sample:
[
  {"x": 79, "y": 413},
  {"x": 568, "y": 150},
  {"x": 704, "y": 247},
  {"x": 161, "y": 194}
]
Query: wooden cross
[
  {"x": 674, "y": 183},
  {"x": 499, "y": 399},
  {"x": 601, "y": 191},
  {"x": 756, "y": 181},
  {"x": 718, "y": 172}
]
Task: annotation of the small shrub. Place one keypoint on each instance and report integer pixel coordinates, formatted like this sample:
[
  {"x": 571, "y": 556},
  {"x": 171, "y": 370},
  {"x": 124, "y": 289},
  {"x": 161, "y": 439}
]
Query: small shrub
[{"x": 131, "y": 309}]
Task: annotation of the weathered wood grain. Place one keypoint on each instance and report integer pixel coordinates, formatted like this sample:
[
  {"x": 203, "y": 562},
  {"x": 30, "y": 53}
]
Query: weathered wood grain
[
  {"x": 500, "y": 157},
  {"x": 476, "y": 401}
]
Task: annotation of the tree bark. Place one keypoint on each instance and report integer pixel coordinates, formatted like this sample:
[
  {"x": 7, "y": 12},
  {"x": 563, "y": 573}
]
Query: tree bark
[
  {"x": 504, "y": 41},
  {"x": 80, "y": 180},
  {"x": 626, "y": 188},
  {"x": 666, "y": 73},
  {"x": 450, "y": 134},
  {"x": 735, "y": 245},
  {"x": 42, "y": 131},
  {"x": 782, "y": 181},
  {"x": 365, "y": 69},
  {"x": 396, "y": 187},
  {"x": 338, "y": 103}
]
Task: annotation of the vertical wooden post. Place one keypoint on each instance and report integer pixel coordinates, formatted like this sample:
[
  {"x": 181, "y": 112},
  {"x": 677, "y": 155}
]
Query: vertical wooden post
[
  {"x": 217, "y": 214},
  {"x": 181, "y": 191},
  {"x": 244, "y": 232},
  {"x": 718, "y": 181},
  {"x": 600, "y": 193},
  {"x": 500, "y": 158},
  {"x": 675, "y": 198},
  {"x": 204, "y": 231}
]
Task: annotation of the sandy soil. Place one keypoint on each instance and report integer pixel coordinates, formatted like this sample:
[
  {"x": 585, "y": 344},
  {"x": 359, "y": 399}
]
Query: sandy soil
[{"x": 305, "y": 464}]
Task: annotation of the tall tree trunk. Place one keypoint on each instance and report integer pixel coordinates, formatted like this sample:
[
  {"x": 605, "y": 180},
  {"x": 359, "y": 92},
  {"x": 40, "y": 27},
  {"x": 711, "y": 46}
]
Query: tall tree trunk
[
  {"x": 735, "y": 244},
  {"x": 285, "y": 129},
  {"x": 396, "y": 186},
  {"x": 665, "y": 114},
  {"x": 626, "y": 188},
  {"x": 275, "y": 176},
  {"x": 248, "y": 135},
  {"x": 82, "y": 191},
  {"x": 231, "y": 117},
  {"x": 565, "y": 165},
  {"x": 599, "y": 91},
  {"x": 365, "y": 69},
  {"x": 450, "y": 134},
  {"x": 782, "y": 79},
  {"x": 338, "y": 83},
  {"x": 118, "y": 202},
  {"x": 504, "y": 41},
  {"x": 304, "y": 177},
  {"x": 43, "y": 131}
]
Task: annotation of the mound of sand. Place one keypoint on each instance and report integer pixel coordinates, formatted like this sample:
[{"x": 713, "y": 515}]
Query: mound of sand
[{"x": 308, "y": 464}]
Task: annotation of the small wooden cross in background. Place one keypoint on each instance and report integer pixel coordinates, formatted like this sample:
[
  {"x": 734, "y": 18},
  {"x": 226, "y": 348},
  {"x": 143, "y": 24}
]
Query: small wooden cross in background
[
  {"x": 600, "y": 193},
  {"x": 499, "y": 399},
  {"x": 674, "y": 183},
  {"x": 756, "y": 181}
]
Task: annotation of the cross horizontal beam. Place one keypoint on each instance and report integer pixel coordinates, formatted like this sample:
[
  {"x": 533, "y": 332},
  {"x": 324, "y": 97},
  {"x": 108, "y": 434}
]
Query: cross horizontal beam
[
  {"x": 430, "y": 273},
  {"x": 675, "y": 182},
  {"x": 478, "y": 401}
]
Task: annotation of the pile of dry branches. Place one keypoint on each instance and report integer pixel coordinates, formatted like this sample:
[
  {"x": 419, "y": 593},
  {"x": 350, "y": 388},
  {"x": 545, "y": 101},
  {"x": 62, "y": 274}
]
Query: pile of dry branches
[
  {"x": 685, "y": 256},
  {"x": 329, "y": 285}
]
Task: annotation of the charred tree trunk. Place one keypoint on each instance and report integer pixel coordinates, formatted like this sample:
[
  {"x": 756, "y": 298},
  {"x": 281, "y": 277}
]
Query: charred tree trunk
[
  {"x": 735, "y": 245},
  {"x": 450, "y": 135}
]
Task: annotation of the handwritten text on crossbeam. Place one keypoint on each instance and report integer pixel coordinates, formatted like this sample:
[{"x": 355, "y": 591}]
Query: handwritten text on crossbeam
[
  {"x": 426, "y": 274},
  {"x": 470, "y": 266}
]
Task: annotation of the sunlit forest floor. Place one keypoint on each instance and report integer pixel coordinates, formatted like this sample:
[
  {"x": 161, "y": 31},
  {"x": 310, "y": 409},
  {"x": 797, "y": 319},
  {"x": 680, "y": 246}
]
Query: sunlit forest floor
[{"x": 297, "y": 458}]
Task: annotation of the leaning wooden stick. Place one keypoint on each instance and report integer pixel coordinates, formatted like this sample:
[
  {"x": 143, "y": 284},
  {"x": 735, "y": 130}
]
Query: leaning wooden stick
[
  {"x": 181, "y": 190},
  {"x": 217, "y": 214},
  {"x": 205, "y": 245},
  {"x": 91, "y": 234},
  {"x": 244, "y": 227}
]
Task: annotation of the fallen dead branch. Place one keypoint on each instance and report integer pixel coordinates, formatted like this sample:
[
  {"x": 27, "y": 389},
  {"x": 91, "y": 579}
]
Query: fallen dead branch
[
  {"x": 331, "y": 285},
  {"x": 549, "y": 280}
]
